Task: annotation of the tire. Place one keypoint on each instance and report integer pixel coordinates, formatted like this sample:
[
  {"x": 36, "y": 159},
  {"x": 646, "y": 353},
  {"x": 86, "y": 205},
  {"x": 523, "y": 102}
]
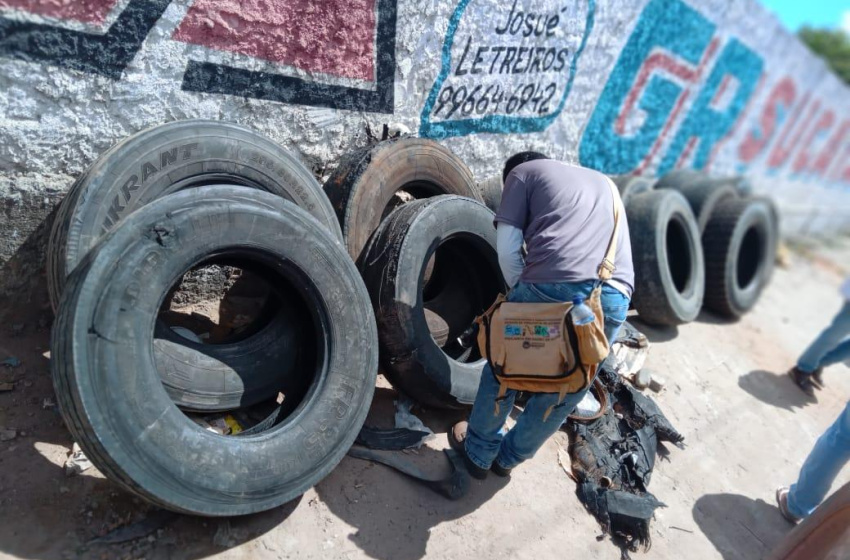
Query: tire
[
  {"x": 362, "y": 187},
  {"x": 701, "y": 192},
  {"x": 196, "y": 153},
  {"x": 465, "y": 282},
  {"x": 491, "y": 192},
  {"x": 740, "y": 247},
  {"x": 204, "y": 152},
  {"x": 667, "y": 256},
  {"x": 123, "y": 418},
  {"x": 630, "y": 185}
]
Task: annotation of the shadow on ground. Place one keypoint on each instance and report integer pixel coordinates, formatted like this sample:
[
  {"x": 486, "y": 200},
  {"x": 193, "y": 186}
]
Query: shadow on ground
[
  {"x": 740, "y": 528},
  {"x": 393, "y": 514},
  {"x": 654, "y": 333},
  {"x": 776, "y": 389}
]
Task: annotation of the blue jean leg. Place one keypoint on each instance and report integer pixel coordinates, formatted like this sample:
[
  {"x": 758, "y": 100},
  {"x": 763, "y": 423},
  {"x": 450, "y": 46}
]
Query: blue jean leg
[
  {"x": 484, "y": 442},
  {"x": 831, "y": 346},
  {"x": 830, "y": 454}
]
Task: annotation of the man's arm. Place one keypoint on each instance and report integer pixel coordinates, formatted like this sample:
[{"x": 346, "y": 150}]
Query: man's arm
[{"x": 509, "y": 246}]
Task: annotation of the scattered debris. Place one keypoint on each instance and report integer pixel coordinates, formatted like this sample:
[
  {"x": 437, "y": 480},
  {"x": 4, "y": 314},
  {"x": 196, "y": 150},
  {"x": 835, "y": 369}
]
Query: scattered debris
[
  {"x": 783, "y": 255},
  {"x": 7, "y": 434},
  {"x": 404, "y": 418},
  {"x": 642, "y": 379},
  {"x": 613, "y": 459},
  {"x": 6, "y": 387},
  {"x": 48, "y": 403},
  {"x": 629, "y": 352},
  {"x": 11, "y": 362},
  {"x": 223, "y": 425},
  {"x": 155, "y": 520},
  {"x": 77, "y": 462},
  {"x": 680, "y": 529},
  {"x": 394, "y": 439}
]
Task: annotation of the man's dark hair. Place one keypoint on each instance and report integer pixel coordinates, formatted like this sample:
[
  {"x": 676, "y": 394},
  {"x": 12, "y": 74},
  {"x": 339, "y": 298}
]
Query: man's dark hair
[{"x": 519, "y": 158}]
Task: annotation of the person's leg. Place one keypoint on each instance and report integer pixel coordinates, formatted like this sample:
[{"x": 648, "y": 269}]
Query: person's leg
[
  {"x": 841, "y": 353},
  {"x": 483, "y": 434},
  {"x": 531, "y": 430},
  {"x": 826, "y": 342},
  {"x": 830, "y": 454},
  {"x": 615, "y": 307}
]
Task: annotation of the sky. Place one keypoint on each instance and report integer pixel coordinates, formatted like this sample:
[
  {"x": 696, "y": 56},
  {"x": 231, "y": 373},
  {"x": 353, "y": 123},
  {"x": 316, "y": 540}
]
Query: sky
[{"x": 817, "y": 13}]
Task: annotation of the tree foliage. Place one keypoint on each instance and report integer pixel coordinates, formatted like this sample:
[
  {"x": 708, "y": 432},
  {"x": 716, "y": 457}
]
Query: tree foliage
[{"x": 833, "y": 45}]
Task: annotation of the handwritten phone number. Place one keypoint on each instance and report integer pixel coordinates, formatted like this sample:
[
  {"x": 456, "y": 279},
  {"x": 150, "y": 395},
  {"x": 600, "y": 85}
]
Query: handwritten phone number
[{"x": 480, "y": 100}]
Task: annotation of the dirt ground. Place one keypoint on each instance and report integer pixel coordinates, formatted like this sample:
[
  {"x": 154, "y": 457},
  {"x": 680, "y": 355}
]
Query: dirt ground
[{"x": 747, "y": 431}]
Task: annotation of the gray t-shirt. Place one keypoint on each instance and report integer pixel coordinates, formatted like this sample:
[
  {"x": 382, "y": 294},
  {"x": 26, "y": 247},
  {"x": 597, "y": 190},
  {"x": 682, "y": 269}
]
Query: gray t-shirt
[{"x": 566, "y": 214}]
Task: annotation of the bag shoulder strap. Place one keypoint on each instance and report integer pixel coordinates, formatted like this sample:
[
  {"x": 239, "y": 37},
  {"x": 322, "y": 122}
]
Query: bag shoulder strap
[{"x": 607, "y": 268}]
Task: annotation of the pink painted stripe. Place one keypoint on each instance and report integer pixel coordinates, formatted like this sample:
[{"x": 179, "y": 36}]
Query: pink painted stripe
[
  {"x": 86, "y": 11},
  {"x": 329, "y": 36}
]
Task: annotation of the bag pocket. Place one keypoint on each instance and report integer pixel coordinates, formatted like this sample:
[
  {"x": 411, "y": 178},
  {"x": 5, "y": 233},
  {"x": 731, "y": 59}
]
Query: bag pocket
[{"x": 592, "y": 343}]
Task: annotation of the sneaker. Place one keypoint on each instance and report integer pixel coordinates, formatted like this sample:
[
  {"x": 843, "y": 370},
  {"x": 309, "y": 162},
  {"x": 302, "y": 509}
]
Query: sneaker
[
  {"x": 803, "y": 380},
  {"x": 782, "y": 502},
  {"x": 457, "y": 437},
  {"x": 817, "y": 378},
  {"x": 499, "y": 470}
]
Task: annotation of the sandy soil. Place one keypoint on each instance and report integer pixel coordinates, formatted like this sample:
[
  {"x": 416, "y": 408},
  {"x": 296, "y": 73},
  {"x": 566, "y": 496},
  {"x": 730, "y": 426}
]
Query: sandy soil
[{"x": 747, "y": 426}]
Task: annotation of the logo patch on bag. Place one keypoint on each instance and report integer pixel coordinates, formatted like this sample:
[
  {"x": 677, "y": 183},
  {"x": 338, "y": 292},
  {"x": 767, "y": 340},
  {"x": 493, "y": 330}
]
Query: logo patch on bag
[{"x": 513, "y": 330}]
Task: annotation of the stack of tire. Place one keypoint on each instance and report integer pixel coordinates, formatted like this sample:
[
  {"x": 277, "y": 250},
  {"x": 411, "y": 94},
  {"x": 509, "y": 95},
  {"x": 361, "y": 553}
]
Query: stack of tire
[
  {"x": 194, "y": 194},
  {"x": 430, "y": 264},
  {"x": 697, "y": 242}
]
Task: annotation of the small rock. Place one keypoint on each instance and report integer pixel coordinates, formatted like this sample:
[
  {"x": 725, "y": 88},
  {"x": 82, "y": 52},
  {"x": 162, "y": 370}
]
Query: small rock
[
  {"x": 64, "y": 489},
  {"x": 642, "y": 379},
  {"x": 7, "y": 434},
  {"x": 657, "y": 383},
  {"x": 18, "y": 328}
]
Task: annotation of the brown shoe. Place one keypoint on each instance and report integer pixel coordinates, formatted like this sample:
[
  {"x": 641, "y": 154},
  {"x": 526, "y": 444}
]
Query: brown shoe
[
  {"x": 817, "y": 378},
  {"x": 782, "y": 502},
  {"x": 457, "y": 439},
  {"x": 803, "y": 380}
]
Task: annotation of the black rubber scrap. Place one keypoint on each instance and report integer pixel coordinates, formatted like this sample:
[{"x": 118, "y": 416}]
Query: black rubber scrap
[{"x": 454, "y": 487}]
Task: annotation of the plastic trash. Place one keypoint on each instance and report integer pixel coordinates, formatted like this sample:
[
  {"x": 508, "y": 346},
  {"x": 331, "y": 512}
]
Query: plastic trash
[
  {"x": 406, "y": 419},
  {"x": 77, "y": 463},
  {"x": 588, "y": 406}
]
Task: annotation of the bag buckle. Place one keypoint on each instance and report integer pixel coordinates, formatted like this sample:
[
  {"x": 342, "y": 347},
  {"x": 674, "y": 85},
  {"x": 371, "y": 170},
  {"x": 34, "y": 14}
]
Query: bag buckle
[{"x": 606, "y": 269}]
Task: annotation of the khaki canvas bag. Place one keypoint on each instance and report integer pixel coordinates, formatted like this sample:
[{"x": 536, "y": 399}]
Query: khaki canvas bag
[{"x": 535, "y": 347}]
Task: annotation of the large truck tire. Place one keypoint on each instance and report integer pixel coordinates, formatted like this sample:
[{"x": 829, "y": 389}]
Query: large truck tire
[
  {"x": 630, "y": 185},
  {"x": 166, "y": 159},
  {"x": 667, "y": 256},
  {"x": 701, "y": 192},
  {"x": 365, "y": 186},
  {"x": 111, "y": 396},
  {"x": 465, "y": 281},
  {"x": 740, "y": 250},
  {"x": 491, "y": 192}
]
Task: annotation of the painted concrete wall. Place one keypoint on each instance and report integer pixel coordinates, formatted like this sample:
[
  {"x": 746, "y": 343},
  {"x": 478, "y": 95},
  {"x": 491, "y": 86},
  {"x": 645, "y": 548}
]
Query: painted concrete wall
[{"x": 623, "y": 86}]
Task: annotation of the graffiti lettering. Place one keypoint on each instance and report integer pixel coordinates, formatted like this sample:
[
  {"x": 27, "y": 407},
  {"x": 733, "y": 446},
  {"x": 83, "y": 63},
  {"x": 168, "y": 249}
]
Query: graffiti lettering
[
  {"x": 508, "y": 79},
  {"x": 619, "y": 142}
]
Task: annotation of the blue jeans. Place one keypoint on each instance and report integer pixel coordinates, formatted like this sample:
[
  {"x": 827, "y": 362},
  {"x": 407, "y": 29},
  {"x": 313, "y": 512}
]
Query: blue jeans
[
  {"x": 831, "y": 347},
  {"x": 485, "y": 441},
  {"x": 830, "y": 454}
]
